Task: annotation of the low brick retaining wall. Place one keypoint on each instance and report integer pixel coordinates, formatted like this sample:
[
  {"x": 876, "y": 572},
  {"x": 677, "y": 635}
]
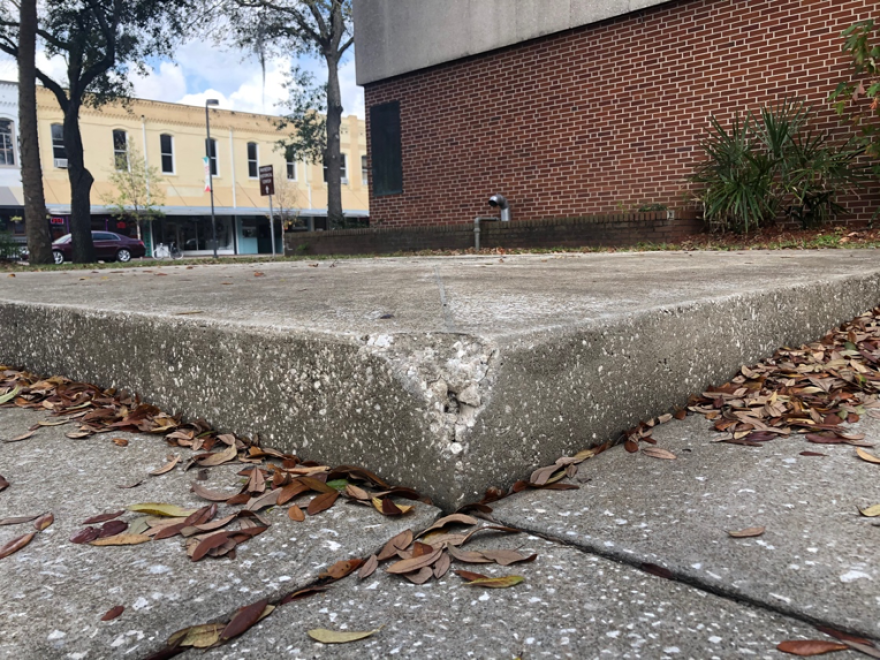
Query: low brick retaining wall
[{"x": 614, "y": 230}]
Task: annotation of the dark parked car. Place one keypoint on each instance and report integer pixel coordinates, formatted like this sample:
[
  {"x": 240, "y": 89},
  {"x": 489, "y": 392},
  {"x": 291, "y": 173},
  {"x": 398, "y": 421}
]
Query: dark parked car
[{"x": 108, "y": 247}]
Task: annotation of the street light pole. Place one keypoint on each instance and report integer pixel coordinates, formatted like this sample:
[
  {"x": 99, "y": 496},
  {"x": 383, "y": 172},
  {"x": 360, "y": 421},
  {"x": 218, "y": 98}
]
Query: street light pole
[{"x": 211, "y": 102}]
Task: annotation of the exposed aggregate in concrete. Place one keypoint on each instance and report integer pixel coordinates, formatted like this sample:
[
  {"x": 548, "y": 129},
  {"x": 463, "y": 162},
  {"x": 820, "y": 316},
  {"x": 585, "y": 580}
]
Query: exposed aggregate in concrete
[{"x": 55, "y": 592}]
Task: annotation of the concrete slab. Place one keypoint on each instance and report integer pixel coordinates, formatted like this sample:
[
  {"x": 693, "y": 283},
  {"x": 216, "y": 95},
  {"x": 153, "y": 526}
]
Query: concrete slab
[
  {"x": 447, "y": 374},
  {"x": 55, "y": 592},
  {"x": 571, "y": 605},
  {"x": 817, "y": 559}
]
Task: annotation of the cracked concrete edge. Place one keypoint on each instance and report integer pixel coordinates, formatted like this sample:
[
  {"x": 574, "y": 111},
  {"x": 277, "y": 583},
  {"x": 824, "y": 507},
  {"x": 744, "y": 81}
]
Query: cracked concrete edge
[{"x": 448, "y": 414}]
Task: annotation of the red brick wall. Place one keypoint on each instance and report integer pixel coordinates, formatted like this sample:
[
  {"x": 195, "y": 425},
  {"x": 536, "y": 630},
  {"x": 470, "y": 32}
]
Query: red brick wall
[
  {"x": 615, "y": 230},
  {"x": 605, "y": 117}
]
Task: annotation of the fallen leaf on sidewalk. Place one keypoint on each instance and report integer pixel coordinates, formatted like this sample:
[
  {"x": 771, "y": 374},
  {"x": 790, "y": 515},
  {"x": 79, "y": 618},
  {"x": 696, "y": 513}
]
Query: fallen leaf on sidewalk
[
  {"x": 341, "y": 569},
  {"x": 871, "y": 511},
  {"x": 496, "y": 582},
  {"x": 810, "y": 647},
  {"x": 43, "y": 522},
  {"x": 322, "y": 502},
  {"x": 23, "y": 436},
  {"x": 199, "y": 637},
  {"x": 113, "y": 613},
  {"x": 748, "y": 533},
  {"x": 121, "y": 539},
  {"x": 339, "y": 636},
  {"x": 135, "y": 485},
  {"x": 16, "y": 520},
  {"x": 296, "y": 514},
  {"x": 866, "y": 456},
  {"x": 101, "y": 518},
  {"x": 9, "y": 396},
  {"x": 3, "y": 484},
  {"x": 172, "y": 462},
  {"x": 659, "y": 452},
  {"x": 120, "y": 442},
  {"x": 16, "y": 544},
  {"x": 368, "y": 568},
  {"x": 245, "y": 618},
  {"x": 86, "y": 535},
  {"x": 210, "y": 495},
  {"x": 812, "y": 453},
  {"x": 161, "y": 509}
]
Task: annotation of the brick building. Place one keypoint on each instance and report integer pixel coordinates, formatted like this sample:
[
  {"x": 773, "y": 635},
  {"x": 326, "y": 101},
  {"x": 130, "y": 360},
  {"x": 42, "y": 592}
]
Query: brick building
[{"x": 576, "y": 107}]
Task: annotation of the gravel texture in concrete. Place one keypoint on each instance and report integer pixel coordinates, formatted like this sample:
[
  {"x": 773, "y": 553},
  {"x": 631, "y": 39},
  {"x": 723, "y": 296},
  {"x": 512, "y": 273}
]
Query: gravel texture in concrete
[
  {"x": 816, "y": 560},
  {"x": 55, "y": 592},
  {"x": 449, "y": 375},
  {"x": 571, "y": 605}
]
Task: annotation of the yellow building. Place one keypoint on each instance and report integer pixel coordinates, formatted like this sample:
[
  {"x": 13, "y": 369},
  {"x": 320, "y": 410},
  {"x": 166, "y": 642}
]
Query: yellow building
[{"x": 171, "y": 138}]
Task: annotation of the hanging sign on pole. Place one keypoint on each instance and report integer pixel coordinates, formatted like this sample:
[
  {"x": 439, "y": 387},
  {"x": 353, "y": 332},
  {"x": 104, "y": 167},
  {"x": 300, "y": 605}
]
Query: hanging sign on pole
[{"x": 267, "y": 189}]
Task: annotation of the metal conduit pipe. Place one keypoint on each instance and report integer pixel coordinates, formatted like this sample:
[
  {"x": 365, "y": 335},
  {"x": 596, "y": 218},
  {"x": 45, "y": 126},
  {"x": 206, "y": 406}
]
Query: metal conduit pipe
[{"x": 496, "y": 202}]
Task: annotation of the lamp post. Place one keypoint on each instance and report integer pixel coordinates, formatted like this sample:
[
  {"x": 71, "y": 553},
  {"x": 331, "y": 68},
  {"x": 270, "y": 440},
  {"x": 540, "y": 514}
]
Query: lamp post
[{"x": 208, "y": 103}]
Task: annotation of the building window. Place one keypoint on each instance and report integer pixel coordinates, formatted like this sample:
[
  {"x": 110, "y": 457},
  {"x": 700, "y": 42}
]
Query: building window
[
  {"x": 291, "y": 164},
  {"x": 364, "y": 170},
  {"x": 7, "y": 143},
  {"x": 166, "y": 145},
  {"x": 59, "y": 153},
  {"x": 387, "y": 174},
  {"x": 120, "y": 149},
  {"x": 343, "y": 169},
  {"x": 211, "y": 150},
  {"x": 253, "y": 160}
]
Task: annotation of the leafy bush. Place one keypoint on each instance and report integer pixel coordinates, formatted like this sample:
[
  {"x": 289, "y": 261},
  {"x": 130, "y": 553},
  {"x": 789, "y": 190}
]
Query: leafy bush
[
  {"x": 9, "y": 249},
  {"x": 772, "y": 163},
  {"x": 858, "y": 99}
]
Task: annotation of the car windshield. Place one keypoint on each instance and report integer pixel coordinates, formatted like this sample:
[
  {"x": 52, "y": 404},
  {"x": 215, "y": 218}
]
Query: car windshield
[{"x": 63, "y": 239}]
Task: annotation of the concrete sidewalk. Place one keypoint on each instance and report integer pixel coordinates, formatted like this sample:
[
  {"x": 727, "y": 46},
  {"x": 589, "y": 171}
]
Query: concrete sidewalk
[
  {"x": 447, "y": 374},
  {"x": 584, "y": 596}
]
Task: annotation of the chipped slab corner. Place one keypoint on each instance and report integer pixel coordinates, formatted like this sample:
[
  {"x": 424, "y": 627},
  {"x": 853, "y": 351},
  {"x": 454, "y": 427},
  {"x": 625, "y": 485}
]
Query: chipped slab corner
[{"x": 482, "y": 369}]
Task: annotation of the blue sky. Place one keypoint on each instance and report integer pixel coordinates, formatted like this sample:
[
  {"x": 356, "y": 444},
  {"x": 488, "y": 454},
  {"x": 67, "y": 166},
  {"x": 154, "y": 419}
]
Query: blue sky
[{"x": 200, "y": 71}]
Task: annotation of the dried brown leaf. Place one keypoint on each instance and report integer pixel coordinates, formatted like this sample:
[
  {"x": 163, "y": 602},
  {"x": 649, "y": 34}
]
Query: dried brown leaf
[
  {"x": 369, "y": 567},
  {"x": 103, "y": 517},
  {"x": 341, "y": 569},
  {"x": 122, "y": 539},
  {"x": 868, "y": 457},
  {"x": 336, "y": 636},
  {"x": 810, "y": 647},
  {"x": 296, "y": 514},
  {"x": 750, "y": 532},
  {"x": 113, "y": 613},
  {"x": 172, "y": 462},
  {"x": 43, "y": 522},
  {"x": 322, "y": 502},
  {"x": 399, "y": 542},
  {"x": 244, "y": 619},
  {"x": 16, "y": 544},
  {"x": 659, "y": 452}
]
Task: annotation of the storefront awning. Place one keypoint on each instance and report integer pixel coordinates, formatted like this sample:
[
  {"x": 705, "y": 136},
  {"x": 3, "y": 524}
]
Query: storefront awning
[
  {"x": 63, "y": 209},
  {"x": 11, "y": 196}
]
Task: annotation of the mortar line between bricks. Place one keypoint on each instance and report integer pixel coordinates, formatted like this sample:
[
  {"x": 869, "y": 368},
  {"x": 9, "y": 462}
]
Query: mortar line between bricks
[
  {"x": 681, "y": 578},
  {"x": 447, "y": 314}
]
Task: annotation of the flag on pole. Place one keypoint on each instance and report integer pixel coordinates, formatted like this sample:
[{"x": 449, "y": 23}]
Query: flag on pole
[{"x": 207, "y": 162}]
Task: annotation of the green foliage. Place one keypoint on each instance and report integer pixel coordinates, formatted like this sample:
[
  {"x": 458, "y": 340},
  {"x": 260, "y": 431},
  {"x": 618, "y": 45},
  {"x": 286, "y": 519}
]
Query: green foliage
[
  {"x": 9, "y": 249},
  {"x": 771, "y": 163},
  {"x": 304, "y": 122},
  {"x": 858, "y": 99},
  {"x": 138, "y": 196}
]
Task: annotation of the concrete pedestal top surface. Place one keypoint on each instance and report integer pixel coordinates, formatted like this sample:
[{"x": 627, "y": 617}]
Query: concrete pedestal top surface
[{"x": 447, "y": 374}]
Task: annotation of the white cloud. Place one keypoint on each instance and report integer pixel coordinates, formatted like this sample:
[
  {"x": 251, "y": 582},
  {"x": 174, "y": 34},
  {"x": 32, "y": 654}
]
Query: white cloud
[
  {"x": 166, "y": 84},
  {"x": 201, "y": 71}
]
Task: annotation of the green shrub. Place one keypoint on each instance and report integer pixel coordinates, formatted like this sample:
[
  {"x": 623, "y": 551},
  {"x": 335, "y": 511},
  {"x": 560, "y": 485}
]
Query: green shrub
[
  {"x": 772, "y": 163},
  {"x": 9, "y": 249}
]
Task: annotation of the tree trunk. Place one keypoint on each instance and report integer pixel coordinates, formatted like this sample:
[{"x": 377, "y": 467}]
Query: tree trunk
[
  {"x": 333, "y": 155},
  {"x": 81, "y": 181},
  {"x": 39, "y": 238}
]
